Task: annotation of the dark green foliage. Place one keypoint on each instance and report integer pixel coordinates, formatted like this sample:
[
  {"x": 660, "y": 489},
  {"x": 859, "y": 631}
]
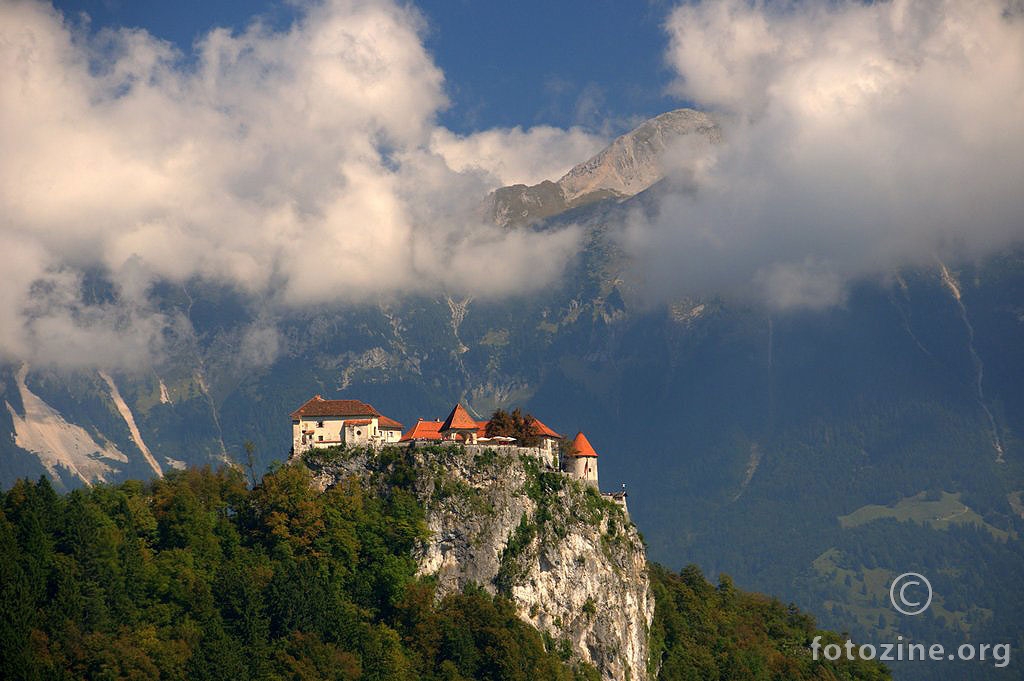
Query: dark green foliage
[
  {"x": 978, "y": 606},
  {"x": 195, "y": 576},
  {"x": 475, "y": 636},
  {"x": 707, "y": 633},
  {"x": 510, "y": 570},
  {"x": 540, "y": 484},
  {"x": 513, "y": 424}
]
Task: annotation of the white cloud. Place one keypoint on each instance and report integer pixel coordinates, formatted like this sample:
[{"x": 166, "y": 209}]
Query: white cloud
[
  {"x": 300, "y": 165},
  {"x": 58, "y": 327},
  {"x": 859, "y": 137},
  {"x": 514, "y": 156},
  {"x": 260, "y": 346}
]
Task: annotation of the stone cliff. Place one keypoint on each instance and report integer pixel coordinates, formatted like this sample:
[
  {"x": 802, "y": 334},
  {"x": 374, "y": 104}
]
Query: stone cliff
[{"x": 571, "y": 562}]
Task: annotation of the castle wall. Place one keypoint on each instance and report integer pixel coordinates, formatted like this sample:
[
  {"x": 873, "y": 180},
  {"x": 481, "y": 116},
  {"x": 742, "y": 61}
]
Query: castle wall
[{"x": 548, "y": 459}]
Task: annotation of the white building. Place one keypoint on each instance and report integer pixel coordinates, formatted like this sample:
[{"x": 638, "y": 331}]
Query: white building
[
  {"x": 581, "y": 460},
  {"x": 549, "y": 440},
  {"x": 331, "y": 423}
]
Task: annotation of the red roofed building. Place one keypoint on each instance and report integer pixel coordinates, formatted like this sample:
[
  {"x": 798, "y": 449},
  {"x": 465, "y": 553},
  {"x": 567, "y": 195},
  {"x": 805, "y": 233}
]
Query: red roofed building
[
  {"x": 384, "y": 423},
  {"x": 424, "y": 431},
  {"x": 326, "y": 423},
  {"x": 549, "y": 439},
  {"x": 460, "y": 426},
  {"x": 581, "y": 460},
  {"x": 540, "y": 430}
]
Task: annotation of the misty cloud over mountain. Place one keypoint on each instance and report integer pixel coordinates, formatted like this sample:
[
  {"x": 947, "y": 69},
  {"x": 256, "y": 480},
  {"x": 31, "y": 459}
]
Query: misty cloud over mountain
[
  {"x": 306, "y": 165},
  {"x": 859, "y": 137},
  {"x": 301, "y": 166}
]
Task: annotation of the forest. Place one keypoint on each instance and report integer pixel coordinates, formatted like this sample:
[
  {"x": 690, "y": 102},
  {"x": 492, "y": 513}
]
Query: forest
[{"x": 201, "y": 575}]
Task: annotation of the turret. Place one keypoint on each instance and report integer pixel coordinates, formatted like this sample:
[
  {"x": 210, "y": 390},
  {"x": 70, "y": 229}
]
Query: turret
[{"x": 581, "y": 461}]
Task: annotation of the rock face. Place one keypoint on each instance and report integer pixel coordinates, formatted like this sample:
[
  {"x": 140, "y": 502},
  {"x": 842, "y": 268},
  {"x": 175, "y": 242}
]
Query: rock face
[
  {"x": 633, "y": 162},
  {"x": 571, "y": 561},
  {"x": 626, "y": 167}
]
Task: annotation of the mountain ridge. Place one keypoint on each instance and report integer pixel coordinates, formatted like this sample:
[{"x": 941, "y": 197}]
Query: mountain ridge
[{"x": 629, "y": 165}]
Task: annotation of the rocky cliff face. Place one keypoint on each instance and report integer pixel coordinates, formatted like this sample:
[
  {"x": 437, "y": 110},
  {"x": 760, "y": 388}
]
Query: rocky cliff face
[
  {"x": 634, "y": 161},
  {"x": 572, "y": 562}
]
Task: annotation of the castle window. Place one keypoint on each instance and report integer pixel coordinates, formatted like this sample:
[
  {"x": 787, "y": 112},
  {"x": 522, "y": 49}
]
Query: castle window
[
  {"x": 359, "y": 432},
  {"x": 319, "y": 424},
  {"x": 320, "y": 438}
]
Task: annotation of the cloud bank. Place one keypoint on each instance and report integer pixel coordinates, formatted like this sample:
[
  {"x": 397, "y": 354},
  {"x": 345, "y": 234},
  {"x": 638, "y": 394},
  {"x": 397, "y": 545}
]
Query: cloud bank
[
  {"x": 301, "y": 165},
  {"x": 517, "y": 156},
  {"x": 859, "y": 137},
  {"x": 306, "y": 165}
]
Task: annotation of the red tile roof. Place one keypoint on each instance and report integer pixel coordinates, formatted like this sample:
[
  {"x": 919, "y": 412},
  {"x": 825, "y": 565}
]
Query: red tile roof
[
  {"x": 357, "y": 422},
  {"x": 540, "y": 430},
  {"x": 459, "y": 419},
  {"x": 581, "y": 446},
  {"x": 423, "y": 430},
  {"x": 388, "y": 424},
  {"x": 318, "y": 406}
]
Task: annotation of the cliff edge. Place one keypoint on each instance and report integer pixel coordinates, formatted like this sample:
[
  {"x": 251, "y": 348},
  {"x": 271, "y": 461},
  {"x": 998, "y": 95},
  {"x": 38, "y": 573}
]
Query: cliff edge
[{"x": 571, "y": 561}]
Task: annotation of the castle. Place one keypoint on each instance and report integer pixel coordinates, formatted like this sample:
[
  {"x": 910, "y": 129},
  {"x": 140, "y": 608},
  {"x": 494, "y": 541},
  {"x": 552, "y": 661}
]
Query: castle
[{"x": 331, "y": 423}]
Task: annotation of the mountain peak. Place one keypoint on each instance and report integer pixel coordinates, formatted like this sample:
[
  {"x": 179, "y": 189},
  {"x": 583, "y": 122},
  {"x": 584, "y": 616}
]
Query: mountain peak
[
  {"x": 629, "y": 165},
  {"x": 632, "y": 163}
]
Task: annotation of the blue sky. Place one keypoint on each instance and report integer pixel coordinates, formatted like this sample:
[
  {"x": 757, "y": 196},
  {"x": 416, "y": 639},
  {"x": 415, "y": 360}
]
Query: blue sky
[{"x": 595, "y": 63}]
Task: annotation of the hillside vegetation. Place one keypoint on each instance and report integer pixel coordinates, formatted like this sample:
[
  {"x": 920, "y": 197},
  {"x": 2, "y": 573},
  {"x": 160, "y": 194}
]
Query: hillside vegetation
[{"x": 196, "y": 576}]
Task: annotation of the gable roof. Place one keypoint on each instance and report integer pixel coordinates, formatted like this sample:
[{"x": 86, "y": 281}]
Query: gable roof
[
  {"x": 540, "y": 430},
  {"x": 581, "y": 446},
  {"x": 384, "y": 423},
  {"x": 318, "y": 406},
  {"x": 459, "y": 419},
  {"x": 423, "y": 430}
]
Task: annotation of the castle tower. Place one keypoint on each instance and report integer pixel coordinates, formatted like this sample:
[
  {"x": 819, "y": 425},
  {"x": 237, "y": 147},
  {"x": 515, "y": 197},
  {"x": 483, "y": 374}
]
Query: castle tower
[{"x": 582, "y": 460}]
